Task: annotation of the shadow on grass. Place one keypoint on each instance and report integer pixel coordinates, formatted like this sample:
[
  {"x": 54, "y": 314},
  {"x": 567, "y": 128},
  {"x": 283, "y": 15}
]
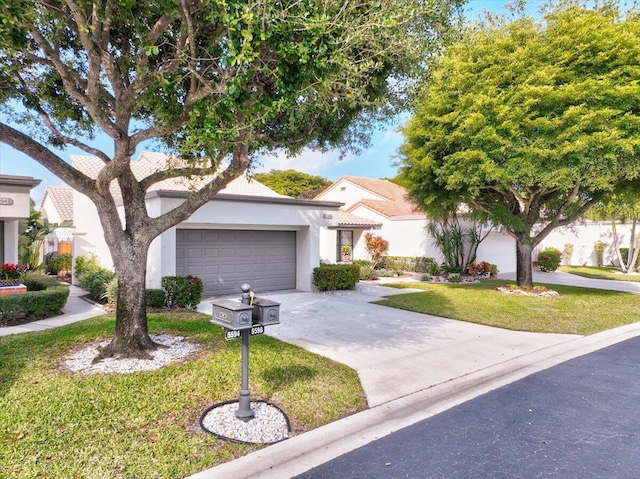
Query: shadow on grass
[{"x": 281, "y": 376}]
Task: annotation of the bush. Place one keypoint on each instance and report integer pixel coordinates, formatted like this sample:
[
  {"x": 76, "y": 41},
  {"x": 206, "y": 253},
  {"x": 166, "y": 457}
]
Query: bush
[
  {"x": 182, "y": 291},
  {"x": 549, "y": 259},
  {"x": 367, "y": 273},
  {"x": 376, "y": 246},
  {"x": 567, "y": 253},
  {"x": 61, "y": 262},
  {"x": 361, "y": 262},
  {"x": 96, "y": 283},
  {"x": 336, "y": 276},
  {"x": 419, "y": 264},
  {"x": 86, "y": 264},
  {"x": 156, "y": 298},
  {"x": 423, "y": 264},
  {"x": 434, "y": 269},
  {"x": 45, "y": 298}
]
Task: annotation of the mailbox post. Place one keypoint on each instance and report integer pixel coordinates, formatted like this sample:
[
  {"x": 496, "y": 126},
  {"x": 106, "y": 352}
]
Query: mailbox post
[{"x": 242, "y": 320}]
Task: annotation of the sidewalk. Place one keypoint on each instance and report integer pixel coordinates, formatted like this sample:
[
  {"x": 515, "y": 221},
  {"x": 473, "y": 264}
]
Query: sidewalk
[{"x": 75, "y": 310}]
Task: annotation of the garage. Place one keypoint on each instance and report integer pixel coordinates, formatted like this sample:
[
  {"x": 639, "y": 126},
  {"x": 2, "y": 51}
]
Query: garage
[{"x": 225, "y": 259}]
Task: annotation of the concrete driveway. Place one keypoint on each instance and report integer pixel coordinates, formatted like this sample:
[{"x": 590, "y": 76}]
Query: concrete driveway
[{"x": 395, "y": 352}]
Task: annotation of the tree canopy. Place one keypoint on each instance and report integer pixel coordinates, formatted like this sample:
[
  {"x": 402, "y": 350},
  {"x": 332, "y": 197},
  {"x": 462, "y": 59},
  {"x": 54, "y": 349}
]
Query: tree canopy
[
  {"x": 291, "y": 182},
  {"x": 212, "y": 80},
  {"x": 529, "y": 122}
]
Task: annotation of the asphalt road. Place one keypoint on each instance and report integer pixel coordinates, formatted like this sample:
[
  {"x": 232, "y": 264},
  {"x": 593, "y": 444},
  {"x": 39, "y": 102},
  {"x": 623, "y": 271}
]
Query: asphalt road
[{"x": 577, "y": 420}]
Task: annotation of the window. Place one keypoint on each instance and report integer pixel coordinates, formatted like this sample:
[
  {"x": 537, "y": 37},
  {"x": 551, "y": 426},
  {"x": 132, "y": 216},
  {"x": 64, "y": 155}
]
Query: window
[{"x": 345, "y": 238}]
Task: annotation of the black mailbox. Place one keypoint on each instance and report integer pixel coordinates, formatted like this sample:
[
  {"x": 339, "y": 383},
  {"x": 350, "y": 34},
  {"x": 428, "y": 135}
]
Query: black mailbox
[
  {"x": 266, "y": 312},
  {"x": 231, "y": 314}
]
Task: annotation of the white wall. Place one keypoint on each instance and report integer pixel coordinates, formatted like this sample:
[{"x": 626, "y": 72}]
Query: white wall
[
  {"x": 348, "y": 193},
  {"x": 21, "y": 201},
  {"x": 584, "y": 236},
  {"x": 499, "y": 249},
  {"x": 10, "y": 241}
]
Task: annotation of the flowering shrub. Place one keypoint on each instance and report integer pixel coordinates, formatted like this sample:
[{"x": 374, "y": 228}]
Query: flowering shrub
[
  {"x": 482, "y": 269},
  {"x": 12, "y": 272},
  {"x": 549, "y": 259},
  {"x": 182, "y": 291},
  {"x": 376, "y": 246},
  {"x": 330, "y": 277}
]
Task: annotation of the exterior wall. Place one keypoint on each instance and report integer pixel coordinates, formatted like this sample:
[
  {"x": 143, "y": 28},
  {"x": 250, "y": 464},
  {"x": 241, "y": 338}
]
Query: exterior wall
[
  {"x": 15, "y": 204},
  {"x": 583, "y": 237},
  {"x": 306, "y": 220},
  {"x": 89, "y": 235},
  {"x": 18, "y": 195},
  {"x": 50, "y": 211},
  {"x": 11, "y": 241},
  {"x": 499, "y": 249},
  {"x": 349, "y": 195}
]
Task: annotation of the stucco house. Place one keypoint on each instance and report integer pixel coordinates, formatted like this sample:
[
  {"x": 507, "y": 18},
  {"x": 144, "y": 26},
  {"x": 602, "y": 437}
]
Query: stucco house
[
  {"x": 14, "y": 206},
  {"x": 57, "y": 207},
  {"x": 382, "y": 207},
  {"x": 247, "y": 234}
]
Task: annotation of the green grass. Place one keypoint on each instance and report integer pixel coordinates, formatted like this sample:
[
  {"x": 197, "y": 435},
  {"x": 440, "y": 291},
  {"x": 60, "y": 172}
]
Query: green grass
[
  {"x": 56, "y": 424},
  {"x": 577, "y": 311},
  {"x": 595, "y": 272}
]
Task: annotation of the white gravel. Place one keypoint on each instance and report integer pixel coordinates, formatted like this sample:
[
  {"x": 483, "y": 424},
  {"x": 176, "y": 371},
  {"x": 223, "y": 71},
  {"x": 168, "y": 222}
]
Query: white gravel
[
  {"x": 269, "y": 424},
  {"x": 177, "y": 348}
]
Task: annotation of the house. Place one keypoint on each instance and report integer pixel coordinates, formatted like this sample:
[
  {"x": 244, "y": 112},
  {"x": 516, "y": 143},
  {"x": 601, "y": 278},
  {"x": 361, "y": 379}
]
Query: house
[
  {"x": 15, "y": 203},
  {"x": 383, "y": 208},
  {"x": 57, "y": 208},
  {"x": 247, "y": 234}
]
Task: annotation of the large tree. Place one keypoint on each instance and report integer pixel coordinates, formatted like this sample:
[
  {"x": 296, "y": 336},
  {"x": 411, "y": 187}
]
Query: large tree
[
  {"x": 529, "y": 122},
  {"x": 213, "y": 80},
  {"x": 291, "y": 182}
]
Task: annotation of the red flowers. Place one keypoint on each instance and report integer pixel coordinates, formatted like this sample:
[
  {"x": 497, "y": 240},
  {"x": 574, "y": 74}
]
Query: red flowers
[{"x": 12, "y": 271}]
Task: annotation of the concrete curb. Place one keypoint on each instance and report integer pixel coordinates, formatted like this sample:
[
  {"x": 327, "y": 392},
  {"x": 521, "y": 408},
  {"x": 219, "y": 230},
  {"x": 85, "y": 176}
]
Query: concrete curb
[{"x": 301, "y": 453}]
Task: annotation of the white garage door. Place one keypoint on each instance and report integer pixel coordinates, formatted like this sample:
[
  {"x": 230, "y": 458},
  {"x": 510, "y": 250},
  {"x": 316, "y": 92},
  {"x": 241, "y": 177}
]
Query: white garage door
[{"x": 225, "y": 259}]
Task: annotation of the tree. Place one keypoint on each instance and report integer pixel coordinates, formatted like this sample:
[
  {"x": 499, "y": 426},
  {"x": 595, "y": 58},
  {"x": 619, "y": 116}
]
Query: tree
[
  {"x": 622, "y": 206},
  {"x": 291, "y": 182},
  {"x": 529, "y": 122},
  {"x": 212, "y": 80},
  {"x": 376, "y": 246},
  {"x": 33, "y": 232}
]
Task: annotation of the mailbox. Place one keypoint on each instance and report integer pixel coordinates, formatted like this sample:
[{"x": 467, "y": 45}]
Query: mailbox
[
  {"x": 231, "y": 314},
  {"x": 266, "y": 312}
]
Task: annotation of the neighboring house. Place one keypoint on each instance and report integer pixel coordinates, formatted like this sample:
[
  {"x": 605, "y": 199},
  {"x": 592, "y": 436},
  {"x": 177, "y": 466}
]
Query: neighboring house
[
  {"x": 15, "y": 205},
  {"x": 57, "y": 208},
  {"x": 247, "y": 234},
  {"x": 382, "y": 207}
]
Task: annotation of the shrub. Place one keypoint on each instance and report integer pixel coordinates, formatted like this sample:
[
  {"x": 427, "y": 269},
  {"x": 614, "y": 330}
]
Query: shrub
[
  {"x": 336, "y": 276},
  {"x": 96, "y": 283},
  {"x": 361, "y": 262},
  {"x": 12, "y": 272},
  {"x": 423, "y": 264},
  {"x": 61, "y": 262},
  {"x": 182, "y": 291},
  {"x": 155, "y": 298},
  {"x": 45, "y": 298},
  {"x": 407, "y": 263},
  {"x": 434, "y": 269},
  {"x": 86, "y": 264},
  {"x": 567, "y": 253},
  {"x": 482, "y": 269},
  {"x": 376, "y": 246},
  {"x": 110, "y": 295},
  {"x": 549, "y": 259},
  {"x": 367, "y": 273}
]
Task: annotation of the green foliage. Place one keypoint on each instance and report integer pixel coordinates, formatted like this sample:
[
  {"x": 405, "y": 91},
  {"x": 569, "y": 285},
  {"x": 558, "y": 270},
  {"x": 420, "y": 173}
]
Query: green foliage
[
  {"x": 367, "y": 273},
  {"x": 61, "y": 262},
  {"x": 549, "y": 259},
  {"x": 530, "y": 122},
  {"x": 182, "y": 291},
  {"x": 85, "y": 264},
  {"x": 10, "y": 271},
  {"x": 376, "y": 246},
  {"x": 156, "y": 298},
  {"x": 599, "y": 247},
  {"x": 110, "y": 295},
  {"x": 567, "y": 253},
  {"x": 33, "y": 231},
  {"x": 330, "y": 277},
  {"x": 97, "y": 282},
  {"x": 290, "y": 182},
  {"x": 44, "y": 298},
  {"x": 361, "y": 262}
]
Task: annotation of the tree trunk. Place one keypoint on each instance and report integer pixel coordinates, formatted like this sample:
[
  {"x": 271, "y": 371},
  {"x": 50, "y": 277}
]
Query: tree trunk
[
  {"x": 131, "y": 338},
  {"x": 524, "y": 268}
]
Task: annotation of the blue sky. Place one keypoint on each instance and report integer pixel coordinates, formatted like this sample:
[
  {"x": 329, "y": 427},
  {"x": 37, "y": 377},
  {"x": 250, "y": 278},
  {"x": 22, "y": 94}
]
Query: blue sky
[{"x": 375, "y": 162}]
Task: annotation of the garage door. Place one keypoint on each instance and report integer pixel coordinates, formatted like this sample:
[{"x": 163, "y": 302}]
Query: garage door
[{"x": 225, "y": 259}]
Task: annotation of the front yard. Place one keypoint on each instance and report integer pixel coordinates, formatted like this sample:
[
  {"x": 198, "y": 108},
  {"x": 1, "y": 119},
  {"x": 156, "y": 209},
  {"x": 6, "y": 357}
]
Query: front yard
[
  {"x": 603, "y": 272},
  {"x": 57, "y": 424},
  {"x": 576, "y": 311}
]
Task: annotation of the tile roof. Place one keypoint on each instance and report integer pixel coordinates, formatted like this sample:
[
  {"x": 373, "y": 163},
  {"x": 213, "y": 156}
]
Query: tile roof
[
  {"x": 346, "y": 219},
  {"x": 396, "y": 204},
  {"x": 151, "y": 162},
  {"x": 62, "y": 199}
]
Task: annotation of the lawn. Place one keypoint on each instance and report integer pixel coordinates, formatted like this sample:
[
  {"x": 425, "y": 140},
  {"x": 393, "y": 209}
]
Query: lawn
[
  {"x": 576, "y": 311},
  {"x": 595, "y": 272},
  {"x": 56, "y": 424}
]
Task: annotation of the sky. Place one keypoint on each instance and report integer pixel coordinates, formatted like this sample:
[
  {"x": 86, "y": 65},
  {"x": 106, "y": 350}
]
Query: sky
[{"x": 378, "y": 161}]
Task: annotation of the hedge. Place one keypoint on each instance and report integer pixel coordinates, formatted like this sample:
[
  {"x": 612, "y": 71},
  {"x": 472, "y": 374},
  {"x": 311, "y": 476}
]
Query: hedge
[
  {"x": 182, "y": 291},
  {"x": 330, "y": 277},
  {"x": 45, "y": 298},
  {"x": 420, "y": 264}
]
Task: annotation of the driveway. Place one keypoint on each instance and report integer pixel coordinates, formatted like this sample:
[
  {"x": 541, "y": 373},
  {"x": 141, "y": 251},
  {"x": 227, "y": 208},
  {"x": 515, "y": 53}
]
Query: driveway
[{"x": 395, "y": 352}]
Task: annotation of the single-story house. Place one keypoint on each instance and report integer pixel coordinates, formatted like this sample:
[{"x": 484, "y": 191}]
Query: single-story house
[
  {"x": 15, "y": 205},
  {"x": 382, "y": 207},
  {"x": 57, "y": 207},
  {"x": 247, "y": 234}
]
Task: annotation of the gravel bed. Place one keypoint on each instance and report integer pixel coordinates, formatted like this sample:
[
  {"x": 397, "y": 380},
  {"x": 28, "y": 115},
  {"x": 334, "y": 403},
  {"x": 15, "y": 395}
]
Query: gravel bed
[
  {"x": 268, "y": 426},
  {"x": 177, "y": 348}
]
